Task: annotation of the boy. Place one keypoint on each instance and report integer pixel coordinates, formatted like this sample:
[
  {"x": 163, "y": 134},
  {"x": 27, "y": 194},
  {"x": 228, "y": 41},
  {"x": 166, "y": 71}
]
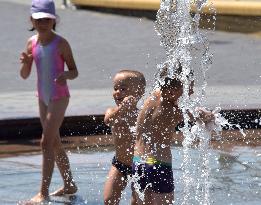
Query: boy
[
  {"x": 152, "y": 167},
  {"x": 129, "y": 87}
]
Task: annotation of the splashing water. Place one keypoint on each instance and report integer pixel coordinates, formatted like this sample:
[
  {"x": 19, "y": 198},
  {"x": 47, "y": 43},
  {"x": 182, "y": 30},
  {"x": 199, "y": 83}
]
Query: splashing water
[
  {"x": 188, "y": 58},
  {"x": 187, "y": 48}
]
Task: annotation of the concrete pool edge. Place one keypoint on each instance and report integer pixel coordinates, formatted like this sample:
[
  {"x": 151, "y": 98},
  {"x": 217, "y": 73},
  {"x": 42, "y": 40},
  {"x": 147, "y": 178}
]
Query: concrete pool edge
[
  {"x": 86, "y": 125},
  {"x": 30, "y": 128}
]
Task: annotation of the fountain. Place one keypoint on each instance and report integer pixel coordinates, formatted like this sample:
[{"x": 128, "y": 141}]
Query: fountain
[{"x": 187, "y": 47}]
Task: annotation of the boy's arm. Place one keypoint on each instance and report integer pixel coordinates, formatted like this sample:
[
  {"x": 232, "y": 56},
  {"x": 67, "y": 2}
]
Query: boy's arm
[
  {"x": 26, "y": 59},
  {"x": 205, "y": 116},
  {"x": 119, "y": 113},
  {"x": 111, "y": 115}
]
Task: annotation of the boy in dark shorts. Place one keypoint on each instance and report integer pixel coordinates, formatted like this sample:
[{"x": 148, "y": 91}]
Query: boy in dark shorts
[
  {"x": 152, "y": 161},
  {"x": 129, "y": 87}
]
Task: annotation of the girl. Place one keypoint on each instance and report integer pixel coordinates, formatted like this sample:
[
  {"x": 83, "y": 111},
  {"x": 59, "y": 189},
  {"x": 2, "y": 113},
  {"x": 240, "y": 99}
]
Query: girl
[{"x": 50, "y": 51}]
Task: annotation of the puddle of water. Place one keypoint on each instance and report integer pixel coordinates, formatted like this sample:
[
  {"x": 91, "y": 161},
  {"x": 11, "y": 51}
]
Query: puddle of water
[{"x": 235, "y": 176}]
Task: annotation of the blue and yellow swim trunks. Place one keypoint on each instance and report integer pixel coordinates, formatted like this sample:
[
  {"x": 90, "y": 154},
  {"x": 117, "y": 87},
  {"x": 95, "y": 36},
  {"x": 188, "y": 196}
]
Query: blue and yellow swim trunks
[{"x": 154, "y": 174}]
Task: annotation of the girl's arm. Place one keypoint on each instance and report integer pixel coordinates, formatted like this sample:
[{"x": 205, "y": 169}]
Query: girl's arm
[
  {"x": 67, "y": 55},
  {"x": 26, "y": 60}
]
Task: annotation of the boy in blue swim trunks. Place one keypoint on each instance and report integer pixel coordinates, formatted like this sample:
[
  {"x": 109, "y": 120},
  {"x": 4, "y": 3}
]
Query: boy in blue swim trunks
[
  {"x": 129, "y": 87},
  {"x": 152, "y": 162}
]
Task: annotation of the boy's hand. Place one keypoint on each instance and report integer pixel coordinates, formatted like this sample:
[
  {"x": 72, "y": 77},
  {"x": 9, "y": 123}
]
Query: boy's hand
[
  {"x": 26, "y": 58},
  {"x": 61, "y": 79},
  {"x": 128, "y": 102},
  {"x": 205, "y": 115}
]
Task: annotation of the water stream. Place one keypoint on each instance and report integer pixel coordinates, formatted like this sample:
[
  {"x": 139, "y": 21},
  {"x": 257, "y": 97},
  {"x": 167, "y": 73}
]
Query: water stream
[
  {"x": 187, "y": 48},
  {"x": 188, "y": 57}
]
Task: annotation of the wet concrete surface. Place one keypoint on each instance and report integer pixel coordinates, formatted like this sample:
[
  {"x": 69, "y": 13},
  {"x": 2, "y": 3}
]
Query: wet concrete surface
[
  {"x": 234, "y": 178},
  {"x": 105, "y": 43}
]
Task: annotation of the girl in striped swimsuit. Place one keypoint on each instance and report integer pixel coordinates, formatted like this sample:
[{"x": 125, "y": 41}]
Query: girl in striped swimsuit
[{"x": 50, "y": 52}]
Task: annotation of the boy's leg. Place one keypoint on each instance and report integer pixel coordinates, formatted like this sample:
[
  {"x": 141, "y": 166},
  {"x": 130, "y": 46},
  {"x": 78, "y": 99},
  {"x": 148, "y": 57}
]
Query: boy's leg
[
  {"x": 135, "y": 199},
  {"x": 114, "y": 186},
  {"x": 163, "y": 199},
  {"x": 148, "y": 200}
]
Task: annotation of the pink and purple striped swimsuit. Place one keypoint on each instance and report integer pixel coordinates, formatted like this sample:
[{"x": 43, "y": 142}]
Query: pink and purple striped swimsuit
[{"x": 49, "y": 64}]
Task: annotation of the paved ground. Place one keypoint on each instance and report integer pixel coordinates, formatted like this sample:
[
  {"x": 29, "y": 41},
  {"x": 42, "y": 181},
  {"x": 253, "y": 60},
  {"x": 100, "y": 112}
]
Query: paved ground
[
  {"x": 234, "y": 178},
  {"x": 105, "y": 43}
]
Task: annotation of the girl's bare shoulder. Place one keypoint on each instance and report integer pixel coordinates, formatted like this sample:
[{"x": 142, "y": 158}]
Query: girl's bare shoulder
[
  {"x": 30, "y": 42},
  {"x": 62, "y": 41}
]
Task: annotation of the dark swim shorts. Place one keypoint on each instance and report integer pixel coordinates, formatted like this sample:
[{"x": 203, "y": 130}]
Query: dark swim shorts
[
  {"x": 154, "y": 174},
  {"x": 124, "y": 169}
]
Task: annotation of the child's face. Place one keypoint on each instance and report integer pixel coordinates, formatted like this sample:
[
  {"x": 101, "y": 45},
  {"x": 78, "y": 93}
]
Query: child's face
[
  {"x": 123, "y": 87},
  {"x": 173, "y": 93},
  {"x": 43, "y": 25},
  {"x": 171, "y": 90}
]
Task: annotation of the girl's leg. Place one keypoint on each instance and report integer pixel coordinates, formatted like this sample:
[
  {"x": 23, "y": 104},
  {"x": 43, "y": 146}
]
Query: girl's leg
[
  {"x": 60, "y": 156},
  {"x": 114, "y": 186},
  {"x": 51, "y": 119},
  {"x": 63, "y": 165}
]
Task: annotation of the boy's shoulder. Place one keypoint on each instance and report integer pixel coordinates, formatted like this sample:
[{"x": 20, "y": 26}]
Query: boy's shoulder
[
  {"x": 109, "y": 109},
  {"x": 151, "y": 104}
]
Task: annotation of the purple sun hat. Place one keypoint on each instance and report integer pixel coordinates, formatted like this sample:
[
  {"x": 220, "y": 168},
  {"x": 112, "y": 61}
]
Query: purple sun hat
[{"x": 43, "y": 9}]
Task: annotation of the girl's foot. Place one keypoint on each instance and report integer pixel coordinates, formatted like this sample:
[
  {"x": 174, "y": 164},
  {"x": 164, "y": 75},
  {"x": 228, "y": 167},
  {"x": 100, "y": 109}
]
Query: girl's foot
[
  {"x": 70, "y": 190},
  {"x": 38, "y": 199}
]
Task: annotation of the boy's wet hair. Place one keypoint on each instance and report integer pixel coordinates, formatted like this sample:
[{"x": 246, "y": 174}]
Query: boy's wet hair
[
  {"x": 136, "y": 77},
  {"x": 171, "y": 83},
  {"x": 174, "y": 80}
]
